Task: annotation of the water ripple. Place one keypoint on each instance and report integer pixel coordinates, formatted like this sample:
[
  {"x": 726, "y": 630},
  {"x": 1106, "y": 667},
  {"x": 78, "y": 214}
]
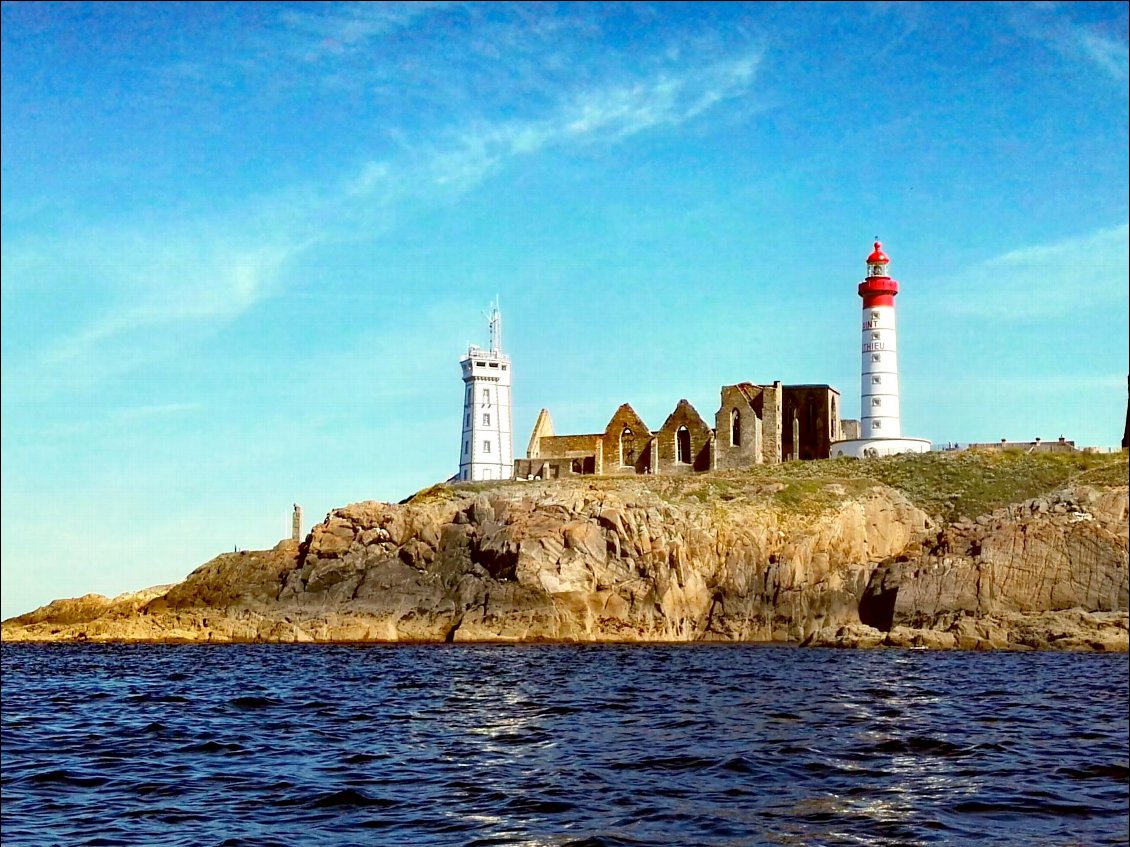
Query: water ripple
[{"x": 587, "y": 745}]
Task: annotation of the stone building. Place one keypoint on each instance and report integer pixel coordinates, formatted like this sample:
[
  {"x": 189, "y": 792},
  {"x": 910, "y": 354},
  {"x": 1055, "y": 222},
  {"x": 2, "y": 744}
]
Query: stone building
[
  {"x": 1061, "y": 445},
  {"x": 754, "y": 424}
]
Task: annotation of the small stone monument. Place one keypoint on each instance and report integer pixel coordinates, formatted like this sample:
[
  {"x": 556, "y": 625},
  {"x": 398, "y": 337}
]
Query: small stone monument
[{"x": 296, "y": 525}]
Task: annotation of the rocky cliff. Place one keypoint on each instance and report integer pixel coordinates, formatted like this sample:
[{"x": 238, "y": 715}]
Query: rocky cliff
[{"x": 846, "y": 561}]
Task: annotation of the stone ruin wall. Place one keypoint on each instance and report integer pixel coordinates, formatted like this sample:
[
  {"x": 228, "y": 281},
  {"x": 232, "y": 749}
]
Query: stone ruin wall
[
  {"x": 776, "y": 423},
  {"x": 701, "y": 453},
  {"x": 809, "y": 421}
]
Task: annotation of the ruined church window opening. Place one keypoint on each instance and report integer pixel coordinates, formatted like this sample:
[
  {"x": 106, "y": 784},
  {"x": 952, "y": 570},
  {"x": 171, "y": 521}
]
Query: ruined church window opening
[
  {"x": 735, "y": 428},
  {"x": 627, "y": 447},
  {"x": 683, "y": 446}
]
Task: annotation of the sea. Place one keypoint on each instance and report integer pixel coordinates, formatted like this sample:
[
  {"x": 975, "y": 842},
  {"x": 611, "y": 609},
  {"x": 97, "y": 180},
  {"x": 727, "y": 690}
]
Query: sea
[{"x": 502, "y": 744}]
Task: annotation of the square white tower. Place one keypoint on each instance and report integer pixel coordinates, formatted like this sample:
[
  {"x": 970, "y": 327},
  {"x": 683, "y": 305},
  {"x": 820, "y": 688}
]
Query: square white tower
[{"x": 487, "y": 451}]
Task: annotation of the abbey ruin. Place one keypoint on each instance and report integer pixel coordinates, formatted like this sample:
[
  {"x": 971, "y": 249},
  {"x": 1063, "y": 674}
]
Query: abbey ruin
[{"x": 754, "y": 424}]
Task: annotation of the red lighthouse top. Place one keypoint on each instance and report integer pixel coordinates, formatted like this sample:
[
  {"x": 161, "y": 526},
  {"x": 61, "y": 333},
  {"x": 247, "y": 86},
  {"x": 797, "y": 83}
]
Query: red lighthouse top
[
  {"x": 878, "y": 289},
  {"x": 878, "y": 256}
]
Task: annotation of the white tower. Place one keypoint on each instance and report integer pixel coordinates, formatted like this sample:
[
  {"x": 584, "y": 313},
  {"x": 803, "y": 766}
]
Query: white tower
[
  {"x": 880, "y": 422},
  {"x": 487, "y": 451},
  {"x": 879, "y": 374}
]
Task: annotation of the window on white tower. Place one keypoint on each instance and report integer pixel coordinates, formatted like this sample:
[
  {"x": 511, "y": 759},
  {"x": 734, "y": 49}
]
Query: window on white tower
[
  {"x": 874, "y": 316},
  {"x": 875, "y": 357},
  {"x": 486, "y": 396},
  {"x": 876, "y": 424},
  {"x": 486, "y": 446},
  {"x": 876, "y": 401},
  {"x": 876, "y": 380},
  {"x": 486, "y": 418}
]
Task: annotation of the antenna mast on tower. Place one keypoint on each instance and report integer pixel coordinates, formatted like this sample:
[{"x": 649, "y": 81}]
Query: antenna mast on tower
[{"x": 495, "y": 329}]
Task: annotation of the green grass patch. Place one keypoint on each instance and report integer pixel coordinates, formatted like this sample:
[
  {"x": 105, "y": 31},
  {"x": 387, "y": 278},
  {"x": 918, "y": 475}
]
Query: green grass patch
[
  {"x": 947, "y": 485},
  {"x": 439, "y": 493}
]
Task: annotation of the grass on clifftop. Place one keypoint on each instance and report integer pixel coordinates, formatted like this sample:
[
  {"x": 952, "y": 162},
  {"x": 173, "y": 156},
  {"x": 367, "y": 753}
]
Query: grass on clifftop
[
  {"x": 966, "y": 483},
  {"x": 947, "y": 485}
]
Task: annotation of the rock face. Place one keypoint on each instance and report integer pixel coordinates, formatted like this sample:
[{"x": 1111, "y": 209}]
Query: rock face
[{"x": 647, "y": 560}]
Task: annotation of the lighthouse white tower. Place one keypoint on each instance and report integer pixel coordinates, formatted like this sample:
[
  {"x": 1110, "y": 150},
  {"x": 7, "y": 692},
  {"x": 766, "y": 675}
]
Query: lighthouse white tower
[
  {"x": 487, "y": 451},
  {"x": 880, "y": 421}
]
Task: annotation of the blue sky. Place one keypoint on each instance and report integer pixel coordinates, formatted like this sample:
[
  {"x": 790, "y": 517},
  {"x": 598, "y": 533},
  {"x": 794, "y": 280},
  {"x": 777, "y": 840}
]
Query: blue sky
[{"x": 245, "y": 245}]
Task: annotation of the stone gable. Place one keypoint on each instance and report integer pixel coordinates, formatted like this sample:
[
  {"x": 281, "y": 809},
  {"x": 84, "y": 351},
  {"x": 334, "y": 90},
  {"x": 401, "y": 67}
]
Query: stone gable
[
  {"x": 754, "y": 424},
  {"x": 627, "y": 443},
  {"x": 685, "y": 443}
]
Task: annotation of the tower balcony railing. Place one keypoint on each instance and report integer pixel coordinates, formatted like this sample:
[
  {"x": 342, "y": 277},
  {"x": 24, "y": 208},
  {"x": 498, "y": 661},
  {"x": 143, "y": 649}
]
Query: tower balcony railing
[{"x": 477, "y": 352}]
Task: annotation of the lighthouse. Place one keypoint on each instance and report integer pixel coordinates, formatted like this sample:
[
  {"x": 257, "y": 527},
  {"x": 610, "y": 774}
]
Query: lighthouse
[
  {"x": 487, "y": 451},
  {"x": 879, "y": 415}
]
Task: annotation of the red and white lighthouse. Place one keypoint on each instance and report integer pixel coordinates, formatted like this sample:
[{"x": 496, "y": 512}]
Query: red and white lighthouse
[
  {"x": 879, "y": 374},
  {"x": 880, "y": 424}
]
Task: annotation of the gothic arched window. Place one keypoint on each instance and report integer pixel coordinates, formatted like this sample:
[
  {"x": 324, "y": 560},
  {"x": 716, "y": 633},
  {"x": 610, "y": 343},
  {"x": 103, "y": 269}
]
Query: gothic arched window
[
  {"x": 735, "y": 428},
  {"x": 627, "y": 447},
  {"x": 683, "y": 446}
]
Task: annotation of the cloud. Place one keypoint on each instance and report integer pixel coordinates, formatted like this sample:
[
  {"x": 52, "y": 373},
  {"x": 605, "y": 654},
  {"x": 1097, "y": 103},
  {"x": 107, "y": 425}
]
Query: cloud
[
  {"x": 146, "y": 287},
  {"x": 158, "y": 410},
  {"x": 162, "y": 282},
  {"x": 1049, "y": 280},
  {"x": 348, "y": 27},
  {"x": 1050, "y": 24},
  {"x": 602, "y": 115},
  {"x": 1108, "y": 54}
]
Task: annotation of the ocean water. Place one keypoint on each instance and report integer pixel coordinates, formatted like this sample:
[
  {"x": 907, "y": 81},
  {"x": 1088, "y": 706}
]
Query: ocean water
[{"x": 555, "y": 745}]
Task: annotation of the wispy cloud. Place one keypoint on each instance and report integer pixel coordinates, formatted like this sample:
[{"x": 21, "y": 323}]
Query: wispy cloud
[
  {"x": 165, "y": 282},
  {"x": 115, "y": 421},
  {"x": 344, "y": 27},
  {"x": 594, "y": 116},
  {"x": 146, "y": 287},
  {"x": 1051, "y": 23},
  {"x": 1043, "y": 281},
  {"x": 1109, "y": 54},
  {"x": 157, "y": 410}
]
